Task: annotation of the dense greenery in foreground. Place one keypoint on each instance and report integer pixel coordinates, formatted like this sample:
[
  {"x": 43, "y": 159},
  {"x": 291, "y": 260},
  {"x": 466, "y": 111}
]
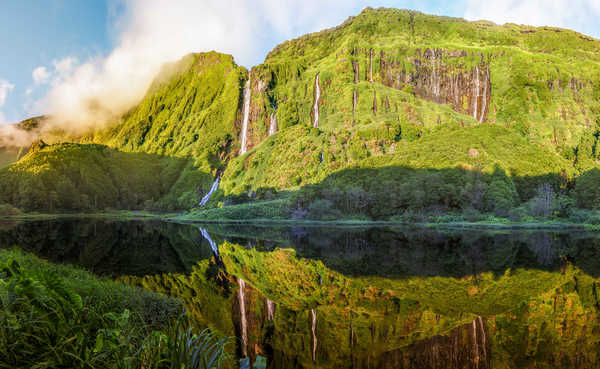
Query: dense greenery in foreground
[{"x": 54, "y": 316}]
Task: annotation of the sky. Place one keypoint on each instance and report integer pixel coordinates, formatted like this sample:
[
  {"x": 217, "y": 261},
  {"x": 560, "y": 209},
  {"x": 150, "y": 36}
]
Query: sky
[{"x": 64, "y": 56}]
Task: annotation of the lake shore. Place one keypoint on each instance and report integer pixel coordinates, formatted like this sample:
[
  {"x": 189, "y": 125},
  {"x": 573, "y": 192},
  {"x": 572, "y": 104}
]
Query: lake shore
[{"x": 499, "y": 223}]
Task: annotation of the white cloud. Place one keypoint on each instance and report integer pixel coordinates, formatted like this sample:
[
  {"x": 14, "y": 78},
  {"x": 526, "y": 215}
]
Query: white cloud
[
  {"x": 29, "y": 91},
  {"x": 5, "y": 88},
  {"x": 40, "y": 75},
  {"x": 64, "y": 66},
  {"x": 575, "y": 14}
]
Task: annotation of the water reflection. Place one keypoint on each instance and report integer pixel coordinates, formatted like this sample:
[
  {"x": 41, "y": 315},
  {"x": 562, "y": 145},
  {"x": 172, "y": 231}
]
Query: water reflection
[{"x": 309, "y": 297}]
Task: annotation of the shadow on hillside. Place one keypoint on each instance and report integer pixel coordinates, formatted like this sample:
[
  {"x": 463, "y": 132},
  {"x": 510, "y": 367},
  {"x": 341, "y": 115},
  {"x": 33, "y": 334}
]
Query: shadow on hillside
[
  {"x": 74, "y": 177},
  {"x": 380, "y": 193}
]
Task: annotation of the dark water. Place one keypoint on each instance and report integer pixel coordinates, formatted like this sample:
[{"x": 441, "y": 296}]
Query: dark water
[{"x": 309, "y": 297}]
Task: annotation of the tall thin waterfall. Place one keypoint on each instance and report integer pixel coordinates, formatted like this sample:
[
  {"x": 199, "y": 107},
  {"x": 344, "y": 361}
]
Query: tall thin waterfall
[
  {"x": 475, "y": 344},
  {"x": 316, "y": 104},
  {"x": 243, "y": 322},
  {"x": 213, "y": 188},
  {"x": 483, "y": 338},
  {"x": 246, "y": 112},
  {"x": 485, "y": 87},
  {"x": 270, "y": 309},
  {"x": 273, "y": 128},
  {"x": 476, "y": 93},
  {"x": 212, "y": 243},
  {"x": 313, "y": 329}
]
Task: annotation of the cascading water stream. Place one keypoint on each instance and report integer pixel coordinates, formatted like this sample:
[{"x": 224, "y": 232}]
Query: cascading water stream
[
  {"x": 476, "y": 93},
  {"x": 483, "y": 338},
  {"x": 273, "y": 128},
  {"x": 243, "y": 322},
  {"x": 485, "y": 87},
  {"x": 246, "y": 113},
  {"x": 475, "y": 344},
  {"x": 212, "y": 243},
  {"x": 313, "y": 329},
  {"x": 316, "y": 104},
  {"x": 213, "y": 188},
  {"x": 270, "y": 309}
]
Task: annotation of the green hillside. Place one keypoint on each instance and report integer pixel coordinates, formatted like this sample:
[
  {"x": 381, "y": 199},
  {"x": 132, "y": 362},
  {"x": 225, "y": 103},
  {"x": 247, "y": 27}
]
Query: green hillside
[
  {"x": 88, "y": 177},
  {"x": 378, "y": 109},
  {"x": 190, "y": 111}
]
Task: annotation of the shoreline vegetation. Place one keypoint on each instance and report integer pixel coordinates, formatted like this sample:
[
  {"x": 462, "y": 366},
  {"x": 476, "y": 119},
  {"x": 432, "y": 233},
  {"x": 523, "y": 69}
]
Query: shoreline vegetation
[
  {"x": 489, "y": 221},
  {"x": 55, "y": 315}
]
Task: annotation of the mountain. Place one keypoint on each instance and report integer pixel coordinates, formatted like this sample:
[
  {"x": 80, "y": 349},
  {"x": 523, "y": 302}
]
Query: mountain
[{"x": 393, "y": 109}]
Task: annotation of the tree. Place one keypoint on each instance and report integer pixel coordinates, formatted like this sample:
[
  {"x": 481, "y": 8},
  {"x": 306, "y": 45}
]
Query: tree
[{"x": 587, "y": 190}]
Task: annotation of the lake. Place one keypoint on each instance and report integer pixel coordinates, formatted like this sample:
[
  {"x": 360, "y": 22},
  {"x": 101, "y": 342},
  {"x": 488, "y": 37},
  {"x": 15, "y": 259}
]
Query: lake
[{"x": 356, "y": 297}]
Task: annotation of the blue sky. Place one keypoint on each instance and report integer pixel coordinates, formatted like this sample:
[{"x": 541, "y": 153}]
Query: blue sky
[
  {"x": 57, "y": 53},
  {"x": 35, "y": 33}
]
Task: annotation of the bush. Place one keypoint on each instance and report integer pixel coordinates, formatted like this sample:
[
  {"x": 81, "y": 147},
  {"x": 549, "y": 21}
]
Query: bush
[
  {"x": 8, "y": 210},
  {"x": 323, "y": 210},
  {"x": 587, "y": 191},
  {"x": 46, "y": 322}
]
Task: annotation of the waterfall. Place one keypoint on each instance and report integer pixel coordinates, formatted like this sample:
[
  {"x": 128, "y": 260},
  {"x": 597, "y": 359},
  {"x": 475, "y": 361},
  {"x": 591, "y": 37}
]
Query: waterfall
[
  {"x": 354, "y": 102},
  {"x": 316, "y": 104},
  {"x": 371, "y": 65},
  {"x": 485, "y": 87},
  {"x": 243, "y": 322},
  {"x": 483, "y": 339},
  {"x": 212, "y": 243},
  {"x": 476, "y": 94},
  {"x": 475, "y": 345},
  {"x": 273, "y": 128},
  {"x": 246, "y": 113},
  {"x": 313, "y": 329},
  {"x": 213, "y": 188},
  {"x": 270, "y": 309}
]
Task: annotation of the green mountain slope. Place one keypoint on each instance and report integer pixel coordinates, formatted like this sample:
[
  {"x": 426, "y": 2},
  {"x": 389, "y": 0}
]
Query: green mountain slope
[
  {"x": 386, "y": 92},
  {"x": 189, "y": 111},
  {"x": 87, "y": 177}
]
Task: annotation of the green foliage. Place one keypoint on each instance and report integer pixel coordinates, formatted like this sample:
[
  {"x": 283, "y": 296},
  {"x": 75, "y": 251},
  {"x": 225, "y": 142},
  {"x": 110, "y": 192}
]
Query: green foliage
[
  {"x": 587, "y": 189},
  {"x": 259, "y": 363},
  {"x": 60, "y": 317},
  {"x": 190, "y": 111},
  {"x": 92, "y": 177},
  {"x": 9, "y": 210}
]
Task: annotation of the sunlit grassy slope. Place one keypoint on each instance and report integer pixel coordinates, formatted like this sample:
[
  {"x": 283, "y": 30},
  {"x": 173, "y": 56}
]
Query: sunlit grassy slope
[
  {"x": 398, "y": 89},
  {"x": 539, "y": 117}
]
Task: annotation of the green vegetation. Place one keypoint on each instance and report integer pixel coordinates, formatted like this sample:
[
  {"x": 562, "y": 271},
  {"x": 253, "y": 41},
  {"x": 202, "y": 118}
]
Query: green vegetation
[
  {"x": 190, "y": 112},
  {"x": 420, "y": 117},
  {"x": 62, "y": 317},
  {"x": 533, "y": 317},
  {"x": 87, "y": 177}
]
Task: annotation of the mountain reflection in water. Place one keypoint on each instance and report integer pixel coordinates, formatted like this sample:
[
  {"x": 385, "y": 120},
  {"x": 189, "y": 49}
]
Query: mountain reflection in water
[{"x": 312, "y": 297}]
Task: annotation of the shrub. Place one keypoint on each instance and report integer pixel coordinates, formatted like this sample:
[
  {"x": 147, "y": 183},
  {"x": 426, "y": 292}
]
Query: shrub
[
  {"x": 8, "y": 210},
  {"x": 587, "y": 191},
  {"x": 46, "y": 322}
]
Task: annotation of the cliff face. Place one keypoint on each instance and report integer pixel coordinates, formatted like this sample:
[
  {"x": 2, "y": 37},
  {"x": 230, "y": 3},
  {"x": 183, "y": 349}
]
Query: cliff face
[
  {"x": 389, "y": 75},
  {"x": 262, "y": 113},
  {"x": 442, "y": 77}
]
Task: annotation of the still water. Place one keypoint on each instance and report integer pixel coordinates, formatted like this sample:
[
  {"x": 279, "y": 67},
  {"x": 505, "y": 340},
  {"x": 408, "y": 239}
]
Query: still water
[{"x": 312, "y": 297}]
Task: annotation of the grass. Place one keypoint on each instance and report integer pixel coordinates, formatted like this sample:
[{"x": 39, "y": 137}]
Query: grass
[{"x": 62, "y": 316}]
